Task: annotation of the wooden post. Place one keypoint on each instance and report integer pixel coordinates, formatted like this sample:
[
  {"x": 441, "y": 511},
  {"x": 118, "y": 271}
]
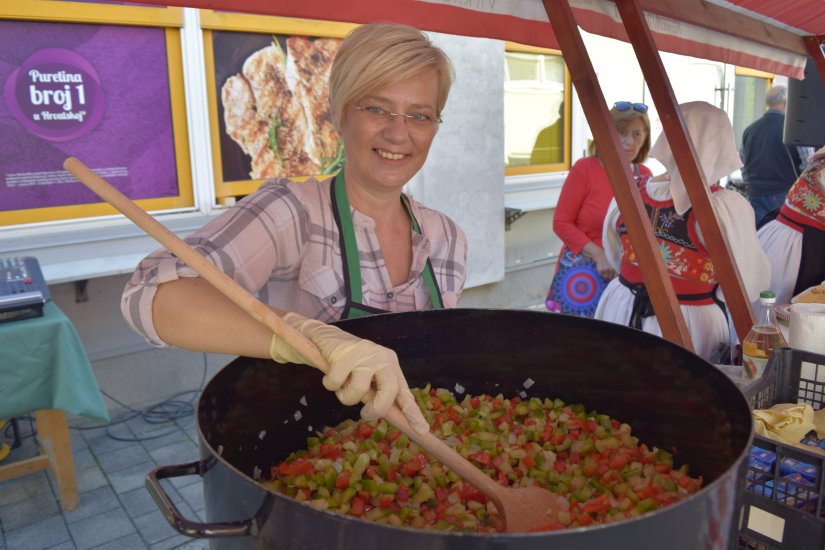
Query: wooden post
[
  {"x": 685, "y": 157},
  {"x": 612, "y": 156},
  {"x": 53, "y": 432}
]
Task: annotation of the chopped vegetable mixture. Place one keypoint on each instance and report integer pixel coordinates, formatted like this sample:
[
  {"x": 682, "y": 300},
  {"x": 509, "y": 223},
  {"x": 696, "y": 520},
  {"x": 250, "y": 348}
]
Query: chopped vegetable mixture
[{"x": 373, "y": 471}]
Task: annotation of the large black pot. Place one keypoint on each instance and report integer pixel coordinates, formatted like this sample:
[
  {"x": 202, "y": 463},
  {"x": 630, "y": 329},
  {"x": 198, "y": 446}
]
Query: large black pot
[{"x": 253, "y": 413}]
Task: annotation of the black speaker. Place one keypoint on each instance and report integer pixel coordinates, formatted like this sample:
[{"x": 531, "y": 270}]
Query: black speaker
[{"x": 805, "y": 116}]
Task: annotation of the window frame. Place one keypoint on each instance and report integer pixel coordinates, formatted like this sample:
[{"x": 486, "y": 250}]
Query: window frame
[
  {"x": 168, "y": 18},
  {"x": 568, "y": 110},
  {"x": 227, "y": 191}
]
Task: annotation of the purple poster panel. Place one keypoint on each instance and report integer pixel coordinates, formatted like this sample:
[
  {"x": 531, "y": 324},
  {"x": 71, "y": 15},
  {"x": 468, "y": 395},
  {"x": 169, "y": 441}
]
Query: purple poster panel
[{"x": 99, "y": 93}]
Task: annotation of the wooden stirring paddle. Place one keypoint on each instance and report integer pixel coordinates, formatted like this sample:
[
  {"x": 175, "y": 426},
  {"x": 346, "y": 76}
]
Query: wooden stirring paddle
[{"x": 523, "y": 509}]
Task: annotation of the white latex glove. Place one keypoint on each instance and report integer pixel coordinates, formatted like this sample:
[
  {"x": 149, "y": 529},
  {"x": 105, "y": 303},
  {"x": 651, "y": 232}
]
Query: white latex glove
[{"x": 354, "y": 364}]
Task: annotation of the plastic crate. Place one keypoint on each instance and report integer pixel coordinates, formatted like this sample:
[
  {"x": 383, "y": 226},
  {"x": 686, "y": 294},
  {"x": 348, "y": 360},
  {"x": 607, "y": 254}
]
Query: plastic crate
[{"x": 777, "y": 512}]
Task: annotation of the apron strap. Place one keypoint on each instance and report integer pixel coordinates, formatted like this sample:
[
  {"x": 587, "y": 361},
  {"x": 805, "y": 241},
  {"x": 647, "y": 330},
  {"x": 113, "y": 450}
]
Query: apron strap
[
  {"x": 351, "y": 261},
  {"x": 349, "y": 246},
  {"x": 428, "y": 274}
]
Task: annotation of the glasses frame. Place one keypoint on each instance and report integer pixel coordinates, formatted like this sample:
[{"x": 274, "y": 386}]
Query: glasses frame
[
  {"x": 390, "y": 115},
  {"x": 627, "y": 105}
]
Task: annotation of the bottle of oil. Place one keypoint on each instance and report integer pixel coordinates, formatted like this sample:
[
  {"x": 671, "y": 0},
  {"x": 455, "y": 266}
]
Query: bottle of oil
[{"x": 763, "y": 338}]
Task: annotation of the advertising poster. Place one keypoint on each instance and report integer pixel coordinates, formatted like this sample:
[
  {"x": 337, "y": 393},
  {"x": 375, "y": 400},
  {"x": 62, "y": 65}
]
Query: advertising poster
[
  {"x": 273, "y": 107},
  {"x": 96, "y": 92}
]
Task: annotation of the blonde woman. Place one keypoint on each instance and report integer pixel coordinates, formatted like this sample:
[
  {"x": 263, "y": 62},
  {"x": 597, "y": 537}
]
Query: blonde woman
[{"x": 332, "y": 248}]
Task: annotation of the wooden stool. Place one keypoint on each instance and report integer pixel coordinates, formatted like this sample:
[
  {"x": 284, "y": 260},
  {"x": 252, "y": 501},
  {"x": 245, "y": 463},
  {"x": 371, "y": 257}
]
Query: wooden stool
[{"x": 55, "y": 453}]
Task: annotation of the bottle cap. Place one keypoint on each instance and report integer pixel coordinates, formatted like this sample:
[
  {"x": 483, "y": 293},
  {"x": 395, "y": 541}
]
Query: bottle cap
[{"x": 767, "y": 295}]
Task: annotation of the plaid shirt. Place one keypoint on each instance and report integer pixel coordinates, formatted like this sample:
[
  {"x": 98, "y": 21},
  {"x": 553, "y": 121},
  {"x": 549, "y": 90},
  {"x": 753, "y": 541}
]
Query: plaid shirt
[{"x": 282, "y": 244}]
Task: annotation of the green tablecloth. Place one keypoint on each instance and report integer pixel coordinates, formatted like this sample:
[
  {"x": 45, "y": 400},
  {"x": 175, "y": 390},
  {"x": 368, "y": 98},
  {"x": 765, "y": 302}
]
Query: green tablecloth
[{"x": 43, "y": 366}]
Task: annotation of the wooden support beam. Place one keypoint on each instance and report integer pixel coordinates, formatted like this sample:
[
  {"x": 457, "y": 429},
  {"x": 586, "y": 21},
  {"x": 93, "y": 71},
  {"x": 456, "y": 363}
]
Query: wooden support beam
[
  {"x": 685, "y": 157},
  {"x": 612, "y": 156},
  {"x": 727, "y": 21}
]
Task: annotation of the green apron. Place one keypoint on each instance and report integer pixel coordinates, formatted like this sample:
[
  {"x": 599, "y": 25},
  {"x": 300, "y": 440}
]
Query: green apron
[{"x": 349, "y": 254}]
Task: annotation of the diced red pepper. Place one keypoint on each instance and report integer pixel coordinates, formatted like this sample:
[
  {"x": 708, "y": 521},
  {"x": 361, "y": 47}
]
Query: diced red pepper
[
  {"x": 363, "y": 431},
  {"x": 297, "y": 467},
  {"x": 342, "y": 481},
  {"x": 454, "y": 415},
  {"x": 415, "y": 465},
  {"x": 618, "y": 461},
  {"x": 357, "y": 506},
  {"x": 328, "y": 450},
  {"x": 482, "y": 458},
  {"x": 600, "y": 503},
  {"x": 584, "y": 519},
  {"x": 684, "y": 482}
]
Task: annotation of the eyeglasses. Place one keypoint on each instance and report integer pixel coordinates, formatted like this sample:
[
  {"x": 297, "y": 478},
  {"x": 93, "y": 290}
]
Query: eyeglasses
[
  {"x": 417, "y": 120},
  {"x": 627, "y": 105}
]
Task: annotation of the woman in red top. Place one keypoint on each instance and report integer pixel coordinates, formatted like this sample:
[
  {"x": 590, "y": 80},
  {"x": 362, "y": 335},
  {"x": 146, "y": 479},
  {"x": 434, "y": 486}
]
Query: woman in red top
[{"x": 583, "y": 271}]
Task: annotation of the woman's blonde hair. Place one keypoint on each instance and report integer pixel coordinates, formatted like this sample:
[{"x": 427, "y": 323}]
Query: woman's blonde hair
[
  {"x": 622, "y": 119},
  {"x": 382, "y": 54}
]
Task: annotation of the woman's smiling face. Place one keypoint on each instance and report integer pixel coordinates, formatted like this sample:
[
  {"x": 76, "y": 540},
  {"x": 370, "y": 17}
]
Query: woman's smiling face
[{"x": 385, "y": 152}]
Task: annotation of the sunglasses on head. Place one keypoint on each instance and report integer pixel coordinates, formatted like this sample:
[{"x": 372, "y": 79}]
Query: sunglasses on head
[{"x": 626, "y": 105}]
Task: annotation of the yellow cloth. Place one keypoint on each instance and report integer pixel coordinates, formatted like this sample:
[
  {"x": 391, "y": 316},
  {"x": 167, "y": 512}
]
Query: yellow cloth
[{"x": 789, "y": 422}]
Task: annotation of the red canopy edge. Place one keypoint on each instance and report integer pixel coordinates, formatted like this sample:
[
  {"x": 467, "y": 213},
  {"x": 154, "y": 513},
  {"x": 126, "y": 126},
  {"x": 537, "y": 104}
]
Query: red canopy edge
[
  {"x": 675, "y": 36},
  {"x": 429, "y": 16},
  {"x": 805, "y": 15},
  {"x": 526, "y": 22}
]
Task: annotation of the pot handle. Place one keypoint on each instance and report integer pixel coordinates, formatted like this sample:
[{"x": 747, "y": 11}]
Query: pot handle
[{"x": 173, "y": 516}]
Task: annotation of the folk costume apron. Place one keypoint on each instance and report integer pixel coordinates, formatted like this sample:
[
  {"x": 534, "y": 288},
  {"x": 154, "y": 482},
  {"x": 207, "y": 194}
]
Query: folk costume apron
[
  {"x": 349, "y": 254},
  {"x": 688, "y": 263},
  {"x": 804, "y": 211}
]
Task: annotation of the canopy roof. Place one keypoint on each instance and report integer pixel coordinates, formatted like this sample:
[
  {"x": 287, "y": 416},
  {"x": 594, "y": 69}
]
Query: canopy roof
[
  {"x": 761, "y": 34},
  {"x": 771, "y": 35},
  {"x": 801, "y": 16}
]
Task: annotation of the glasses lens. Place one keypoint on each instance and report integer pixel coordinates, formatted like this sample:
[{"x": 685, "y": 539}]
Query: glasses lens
[{"x": 626, "y": 105}]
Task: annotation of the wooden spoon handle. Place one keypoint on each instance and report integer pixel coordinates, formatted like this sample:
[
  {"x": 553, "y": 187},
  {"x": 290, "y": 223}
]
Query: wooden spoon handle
[
  {"x": 449, "y": 457},
  {"x": 205, "y": 269},
  {"x": 239, "y": 295}
]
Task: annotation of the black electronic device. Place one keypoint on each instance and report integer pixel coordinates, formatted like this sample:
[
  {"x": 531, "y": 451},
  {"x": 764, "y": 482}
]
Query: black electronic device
[
  {"x": 805, "y": 115},
  {"x": 23, "y": 290}
]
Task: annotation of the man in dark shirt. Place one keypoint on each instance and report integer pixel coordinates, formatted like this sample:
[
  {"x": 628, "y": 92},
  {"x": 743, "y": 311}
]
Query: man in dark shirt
[{"x": 770, "y": 167}]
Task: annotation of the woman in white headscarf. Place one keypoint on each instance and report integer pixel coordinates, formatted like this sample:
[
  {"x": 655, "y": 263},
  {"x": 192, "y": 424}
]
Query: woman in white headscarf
[{"x": 688, "y": 263}]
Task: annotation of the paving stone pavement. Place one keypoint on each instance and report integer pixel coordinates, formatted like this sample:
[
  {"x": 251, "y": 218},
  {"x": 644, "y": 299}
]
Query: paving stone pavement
[{"x": 116, "y": 511}]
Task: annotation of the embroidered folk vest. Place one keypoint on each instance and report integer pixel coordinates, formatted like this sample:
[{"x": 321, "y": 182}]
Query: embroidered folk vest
[{"x": 687, "y": 261}]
